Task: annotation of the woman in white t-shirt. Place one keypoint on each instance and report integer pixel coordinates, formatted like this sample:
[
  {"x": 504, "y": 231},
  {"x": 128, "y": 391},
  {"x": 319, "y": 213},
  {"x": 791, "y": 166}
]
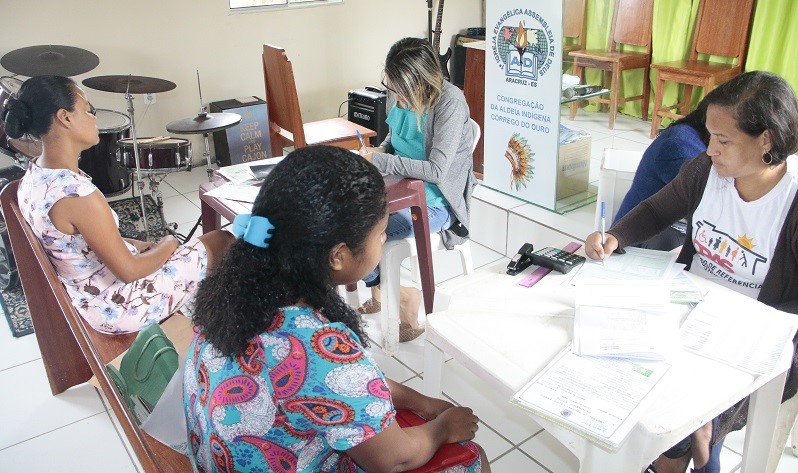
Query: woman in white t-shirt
[{"x": 740, "y": 203}]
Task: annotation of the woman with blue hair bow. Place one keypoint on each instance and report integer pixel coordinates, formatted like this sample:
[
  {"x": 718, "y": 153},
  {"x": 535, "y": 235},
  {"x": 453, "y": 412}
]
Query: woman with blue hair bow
[{"x": 277, "y": 377}]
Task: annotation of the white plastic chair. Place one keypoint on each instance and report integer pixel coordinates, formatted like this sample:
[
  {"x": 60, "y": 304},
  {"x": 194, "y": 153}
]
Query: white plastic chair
[
  {"x": 618, "y": 168},
  {"x": 393, "y": 254}
]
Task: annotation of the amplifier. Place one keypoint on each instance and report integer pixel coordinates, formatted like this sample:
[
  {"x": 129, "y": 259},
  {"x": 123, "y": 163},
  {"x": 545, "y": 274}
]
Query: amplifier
[{"x": 367, "y": 108}]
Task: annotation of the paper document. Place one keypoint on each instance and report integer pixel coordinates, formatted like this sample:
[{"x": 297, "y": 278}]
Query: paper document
[
  {"x": 601, "y": 399},
  {"x": 637, "y": 264},
  {"x": 738, "y": 331},
  {"x": 684, "y": 290},
  {"x": 237, "y": 192},
  {"x": 632, "y": 321},
  {"x": 239, "y": 173},
  {"x": 630, "y": 333}
]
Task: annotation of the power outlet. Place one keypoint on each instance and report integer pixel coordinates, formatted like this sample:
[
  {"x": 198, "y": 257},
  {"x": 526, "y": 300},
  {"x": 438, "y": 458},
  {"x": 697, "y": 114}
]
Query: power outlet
[{"x": 149, "y": 99}]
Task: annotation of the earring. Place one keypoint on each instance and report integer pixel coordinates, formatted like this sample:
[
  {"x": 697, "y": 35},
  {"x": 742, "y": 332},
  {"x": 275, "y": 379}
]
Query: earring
[{"x": 767, "y": 158}]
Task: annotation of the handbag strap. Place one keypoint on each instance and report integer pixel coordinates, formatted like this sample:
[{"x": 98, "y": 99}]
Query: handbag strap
[{"x": 169, "y": 348}]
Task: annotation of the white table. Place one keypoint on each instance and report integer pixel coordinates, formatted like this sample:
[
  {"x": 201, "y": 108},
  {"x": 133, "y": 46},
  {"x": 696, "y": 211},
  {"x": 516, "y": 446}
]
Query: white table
[{"x": 505, "y": 334}]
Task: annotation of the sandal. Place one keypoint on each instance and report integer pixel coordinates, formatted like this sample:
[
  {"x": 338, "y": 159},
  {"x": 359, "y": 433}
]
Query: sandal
[
  {"x": 407, "y": 333},
  {"x": 371, "y": 306}
]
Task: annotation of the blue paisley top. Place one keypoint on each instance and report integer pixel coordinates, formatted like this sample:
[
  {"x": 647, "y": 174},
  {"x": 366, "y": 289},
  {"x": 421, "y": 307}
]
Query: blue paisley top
[{"x": 304, "y": 391}]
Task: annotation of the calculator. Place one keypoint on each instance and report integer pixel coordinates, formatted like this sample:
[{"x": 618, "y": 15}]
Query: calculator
[{"x": 556, "y": 259}]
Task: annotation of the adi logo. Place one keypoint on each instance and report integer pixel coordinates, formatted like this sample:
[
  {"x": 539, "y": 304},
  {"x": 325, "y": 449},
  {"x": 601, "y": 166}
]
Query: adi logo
[{"x": 523, "y": 46}]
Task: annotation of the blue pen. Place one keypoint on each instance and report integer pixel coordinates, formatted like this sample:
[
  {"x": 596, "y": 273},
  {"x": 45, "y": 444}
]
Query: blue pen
[
  {"x": 360, "y": 138},
  {"x": 603, "y": 223}
]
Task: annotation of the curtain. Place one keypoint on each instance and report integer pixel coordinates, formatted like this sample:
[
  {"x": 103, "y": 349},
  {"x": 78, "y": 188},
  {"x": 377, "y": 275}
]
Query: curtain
[
  {"x": 774, "y": 34},
  {"x": 774, "y": 37}
]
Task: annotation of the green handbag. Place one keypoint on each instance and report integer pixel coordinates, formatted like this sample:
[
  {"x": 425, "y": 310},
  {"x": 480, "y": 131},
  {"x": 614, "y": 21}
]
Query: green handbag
[{"x": 145, "y": 371}]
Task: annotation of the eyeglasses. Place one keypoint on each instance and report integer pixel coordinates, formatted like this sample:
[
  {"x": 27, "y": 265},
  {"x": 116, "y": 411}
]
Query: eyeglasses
[
  {"x": 92, "y": 110},
  {"x": 388, "y": 88}
]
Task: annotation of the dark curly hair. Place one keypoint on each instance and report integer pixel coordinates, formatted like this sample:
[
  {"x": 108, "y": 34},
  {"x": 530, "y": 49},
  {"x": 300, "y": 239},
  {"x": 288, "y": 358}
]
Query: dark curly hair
[
  {"x": 316, "y": 198},
  {"x": 31, "y": 111},
  {"x": 762, "y": 101}
]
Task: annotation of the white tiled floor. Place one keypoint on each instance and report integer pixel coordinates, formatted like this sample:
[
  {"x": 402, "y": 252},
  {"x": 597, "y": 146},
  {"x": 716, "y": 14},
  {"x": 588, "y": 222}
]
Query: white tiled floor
[{"x": 73, "y": 432}]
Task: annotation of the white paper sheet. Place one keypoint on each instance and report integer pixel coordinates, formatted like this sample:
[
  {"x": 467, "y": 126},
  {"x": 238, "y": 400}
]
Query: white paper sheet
[
  {"x": 237, "y": 192},
  {"x": 601, "y": 399},
  {"x": 637, "y": 264},
  {"x": 739, "y": 331},
  {"x": 239, "y": 173}
]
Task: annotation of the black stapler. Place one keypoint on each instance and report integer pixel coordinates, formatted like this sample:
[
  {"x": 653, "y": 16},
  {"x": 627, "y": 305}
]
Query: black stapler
[{"x": 521, "y": 260}]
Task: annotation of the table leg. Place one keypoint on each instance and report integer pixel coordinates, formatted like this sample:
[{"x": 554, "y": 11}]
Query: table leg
[
  {"x": 424, "y": 252},
  {"x": 211, "y": 220},
  {"x": 762, "y": 415},
  {"x": 433, "y": 370}
]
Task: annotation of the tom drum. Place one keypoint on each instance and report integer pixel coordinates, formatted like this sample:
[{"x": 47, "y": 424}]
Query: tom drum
[
  {"x": 100, "y": 162},
  {"x": 156, "y": 155}
]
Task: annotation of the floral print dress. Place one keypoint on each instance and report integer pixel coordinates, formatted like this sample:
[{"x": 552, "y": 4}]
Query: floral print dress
[
  {"x": 107, "y": 303},
  {"x": 302, "y": 393}
]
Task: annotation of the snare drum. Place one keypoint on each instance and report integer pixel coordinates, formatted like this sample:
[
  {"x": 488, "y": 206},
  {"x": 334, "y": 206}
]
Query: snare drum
[
  {"x": 8, "y": 86},
  {"x": 99, "y": 161},
  {"x": 156, "y": 155}
]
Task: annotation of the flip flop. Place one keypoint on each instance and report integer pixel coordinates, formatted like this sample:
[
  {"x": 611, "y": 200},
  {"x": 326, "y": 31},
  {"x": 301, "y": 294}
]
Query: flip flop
[
  {"x": 407, "y": 333},
  {"x": 371, "y": 306}
]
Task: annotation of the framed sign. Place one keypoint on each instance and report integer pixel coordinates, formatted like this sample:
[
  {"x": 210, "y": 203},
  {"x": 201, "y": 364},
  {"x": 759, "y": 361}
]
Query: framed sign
[{"x": 247, "y": 141}]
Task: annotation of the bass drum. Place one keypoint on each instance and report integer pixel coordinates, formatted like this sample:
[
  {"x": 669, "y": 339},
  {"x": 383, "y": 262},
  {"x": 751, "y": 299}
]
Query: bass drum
[
  {"x": 8, "y": 86},
  {"x": 9, "y": 280},
  {"x": 100, "y": 162}
]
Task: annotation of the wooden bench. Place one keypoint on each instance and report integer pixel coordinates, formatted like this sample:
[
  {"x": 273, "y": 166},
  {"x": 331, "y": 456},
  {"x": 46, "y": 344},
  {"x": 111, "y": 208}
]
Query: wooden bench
[{"x": 72, "y": 351}]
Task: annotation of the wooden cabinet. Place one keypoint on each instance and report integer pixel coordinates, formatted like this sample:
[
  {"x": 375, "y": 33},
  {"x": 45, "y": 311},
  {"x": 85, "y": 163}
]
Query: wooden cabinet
[{"x": 474, "y": 90}]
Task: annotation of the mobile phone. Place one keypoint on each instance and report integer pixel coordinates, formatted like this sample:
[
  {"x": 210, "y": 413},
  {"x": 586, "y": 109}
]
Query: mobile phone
[
  {"x": 521, "y": 260},
  {"x": 556, "y": 259}
]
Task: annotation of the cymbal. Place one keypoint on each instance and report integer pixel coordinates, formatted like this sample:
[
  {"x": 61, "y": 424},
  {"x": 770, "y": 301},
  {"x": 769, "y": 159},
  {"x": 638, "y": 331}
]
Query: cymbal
[
  {"x": 134, "y": 84},
  {"x": 48, "y": 60},
  {"x": 204, "y": 123}
]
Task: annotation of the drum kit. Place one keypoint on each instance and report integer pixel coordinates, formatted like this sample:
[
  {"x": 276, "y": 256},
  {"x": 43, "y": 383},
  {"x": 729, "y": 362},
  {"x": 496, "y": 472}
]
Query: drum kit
[{"x": 120, "y": 157}]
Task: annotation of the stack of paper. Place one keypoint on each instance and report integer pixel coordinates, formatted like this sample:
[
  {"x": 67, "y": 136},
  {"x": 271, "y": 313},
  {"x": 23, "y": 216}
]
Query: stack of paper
[
  {"x": 623, "y": 306},
  {"x": 630, "y": 320}
]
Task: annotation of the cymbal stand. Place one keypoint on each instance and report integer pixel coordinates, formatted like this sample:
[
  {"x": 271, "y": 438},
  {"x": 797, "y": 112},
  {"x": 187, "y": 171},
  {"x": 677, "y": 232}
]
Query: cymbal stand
[
  {"x": 139, "y": 180},
  {"x": 207, "y": 153}
]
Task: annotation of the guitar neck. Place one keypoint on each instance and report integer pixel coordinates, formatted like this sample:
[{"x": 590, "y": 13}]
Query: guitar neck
[{"x": 436, "y": 42}]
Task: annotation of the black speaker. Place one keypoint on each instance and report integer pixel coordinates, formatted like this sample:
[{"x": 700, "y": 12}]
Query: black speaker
[{"x": 367, "y": 108}]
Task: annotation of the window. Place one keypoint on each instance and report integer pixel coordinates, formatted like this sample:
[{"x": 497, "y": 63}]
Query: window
[{"x": 237, "y": 6}]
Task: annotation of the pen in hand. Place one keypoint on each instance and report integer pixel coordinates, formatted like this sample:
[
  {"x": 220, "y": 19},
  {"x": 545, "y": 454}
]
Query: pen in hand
[
  {"x": 603, "y": 226},
  {"x": 360, "y": 138}
]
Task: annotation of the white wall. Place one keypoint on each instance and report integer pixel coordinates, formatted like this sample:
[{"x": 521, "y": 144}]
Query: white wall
[{"x": 333, "y": 49}]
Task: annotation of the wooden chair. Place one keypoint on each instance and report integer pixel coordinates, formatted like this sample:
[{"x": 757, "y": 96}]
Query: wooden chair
[
  {"x": 573, "y": 26},
  {"x": 631, "y": 25},
  {"x": 285, "y": 119},
  {"x": 722, "y": 29},
  {"x": 72, "y": 351}
]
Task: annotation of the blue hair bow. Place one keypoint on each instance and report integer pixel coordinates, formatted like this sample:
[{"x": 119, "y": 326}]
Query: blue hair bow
[{"x": 254, "y": 229}]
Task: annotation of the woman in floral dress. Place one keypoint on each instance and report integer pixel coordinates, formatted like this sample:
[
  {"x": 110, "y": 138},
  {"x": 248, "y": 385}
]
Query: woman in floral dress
[{"x": 118, "y": 285}]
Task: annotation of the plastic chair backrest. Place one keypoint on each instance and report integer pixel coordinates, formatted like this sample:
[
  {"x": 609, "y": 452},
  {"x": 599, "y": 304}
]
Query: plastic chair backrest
[
  {"x": 722, "y": 28},
  {"x": 477, "y": 133},
  {"x": 281, "y": 96},
  {"x": 631, "y": 23},
  {"x": 617, "y": 171}
]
